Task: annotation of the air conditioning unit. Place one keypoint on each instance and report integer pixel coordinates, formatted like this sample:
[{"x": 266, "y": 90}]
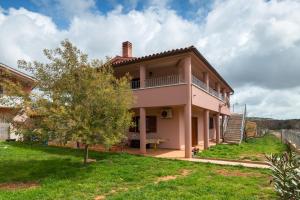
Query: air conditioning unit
[{"x": 166, "y": 113}]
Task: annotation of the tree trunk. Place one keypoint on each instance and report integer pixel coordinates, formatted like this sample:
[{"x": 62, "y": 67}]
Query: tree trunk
[{"x": 86, "y": 153}]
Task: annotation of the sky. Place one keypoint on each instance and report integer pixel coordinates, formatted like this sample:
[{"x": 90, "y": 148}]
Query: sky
[{"x": 254, "y": 45}]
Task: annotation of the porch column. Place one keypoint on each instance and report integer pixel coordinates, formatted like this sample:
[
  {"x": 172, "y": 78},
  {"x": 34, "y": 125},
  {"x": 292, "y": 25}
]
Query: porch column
[
  {"x": 222, "y": 124},
  {"x": 206, "y": 128},
  {"x": 143, "y": 130},
  {"x": 217, "y": 128},
  {"x": 142, "y": 76},
  {"x": 206, "y": 80},
  {"x": 188, "y": 108}
]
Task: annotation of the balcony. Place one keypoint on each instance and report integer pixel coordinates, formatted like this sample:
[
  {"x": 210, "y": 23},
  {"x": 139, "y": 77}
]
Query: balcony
[
  {"x": 167, "y": 80},
  {"x": 200, "y": 84}
]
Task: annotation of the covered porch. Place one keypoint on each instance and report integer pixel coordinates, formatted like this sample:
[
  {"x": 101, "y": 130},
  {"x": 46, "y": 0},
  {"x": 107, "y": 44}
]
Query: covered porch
[{"x": 161, "y": 131}]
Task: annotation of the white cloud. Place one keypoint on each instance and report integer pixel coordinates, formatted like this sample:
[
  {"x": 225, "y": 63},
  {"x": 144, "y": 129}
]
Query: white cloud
[
  {"x": 254, "y": 44},
  {"x": 23, "y": 35},
  {"x": 276, "y": 103}
]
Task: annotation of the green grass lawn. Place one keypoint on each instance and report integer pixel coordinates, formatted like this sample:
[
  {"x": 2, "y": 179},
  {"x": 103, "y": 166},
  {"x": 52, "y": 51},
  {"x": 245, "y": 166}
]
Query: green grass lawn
[
  {"x": 60, "y": 174},
  {"x": 253, "y": 149}
]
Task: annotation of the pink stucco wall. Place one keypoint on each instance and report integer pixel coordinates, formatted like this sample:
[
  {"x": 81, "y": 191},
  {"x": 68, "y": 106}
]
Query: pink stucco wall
[
  {"x": 160, "y": 96},
  {"x": 203, "y": 99},
  {"x": 170, "y": 130}
]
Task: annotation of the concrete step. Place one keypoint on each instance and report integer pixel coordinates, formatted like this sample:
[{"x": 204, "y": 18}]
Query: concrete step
[{"x": 234, "y": 132}]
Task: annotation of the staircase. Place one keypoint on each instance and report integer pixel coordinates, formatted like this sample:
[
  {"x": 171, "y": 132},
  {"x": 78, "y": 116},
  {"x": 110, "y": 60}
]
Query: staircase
[{"x": 235, "y": 129}]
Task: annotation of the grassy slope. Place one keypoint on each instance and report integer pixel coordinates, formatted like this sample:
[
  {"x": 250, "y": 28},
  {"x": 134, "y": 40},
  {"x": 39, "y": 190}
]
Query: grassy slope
[
  {"x": 254, "y": 149},
  {"x": 62, "y": 176}
]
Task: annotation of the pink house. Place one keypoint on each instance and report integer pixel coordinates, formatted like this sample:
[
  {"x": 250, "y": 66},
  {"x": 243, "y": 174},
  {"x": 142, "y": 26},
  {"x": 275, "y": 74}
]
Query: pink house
[{"x": 181, "y": 101}]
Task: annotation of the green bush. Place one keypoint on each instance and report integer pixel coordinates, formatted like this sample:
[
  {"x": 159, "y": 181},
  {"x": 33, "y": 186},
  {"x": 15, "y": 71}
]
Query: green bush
[{"x": 286, "y": 174}]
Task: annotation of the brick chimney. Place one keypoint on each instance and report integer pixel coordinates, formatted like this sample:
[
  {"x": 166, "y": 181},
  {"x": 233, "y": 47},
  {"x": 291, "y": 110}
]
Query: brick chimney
[{"x": 127, "y": 49}]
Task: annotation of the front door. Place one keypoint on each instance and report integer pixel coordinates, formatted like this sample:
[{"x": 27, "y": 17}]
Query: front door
[{"x": 194, "y": 131}]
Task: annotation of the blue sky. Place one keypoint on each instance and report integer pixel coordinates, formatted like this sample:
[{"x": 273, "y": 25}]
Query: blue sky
[
  {"x": 187, "y": 9},
  {"x": 254, "y": 45}
]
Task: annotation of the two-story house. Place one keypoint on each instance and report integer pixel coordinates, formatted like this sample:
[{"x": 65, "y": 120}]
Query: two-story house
[
  {"x": 180, "y": 99},
  {"x": 8, "y": 112}
]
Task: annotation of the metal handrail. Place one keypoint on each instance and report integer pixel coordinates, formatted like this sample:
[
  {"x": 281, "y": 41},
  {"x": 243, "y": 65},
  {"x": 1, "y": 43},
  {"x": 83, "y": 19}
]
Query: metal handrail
[
  {"x": 198, "y": 82},
  {"x": 203, "y": 86},
  {"x": 291, "y": 136}
]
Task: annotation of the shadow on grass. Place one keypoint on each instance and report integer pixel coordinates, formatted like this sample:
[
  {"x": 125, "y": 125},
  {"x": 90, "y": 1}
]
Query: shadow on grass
[
  {"x": 65, "y": 151},
  {"x": 36, "y": 170},
  {"x": 67, "y": 165}
]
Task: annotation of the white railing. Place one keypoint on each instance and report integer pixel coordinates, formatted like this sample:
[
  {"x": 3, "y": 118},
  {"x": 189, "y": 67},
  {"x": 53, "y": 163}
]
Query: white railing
[
  {"x": 222, "y": 97},
  {"x": 292, "y": 137},
  {"x": 203, "y": 86},
  {"x": 199, "y": 83},
  {"x": 213, "y": 92},
  {"x": 162, "y": 80}
]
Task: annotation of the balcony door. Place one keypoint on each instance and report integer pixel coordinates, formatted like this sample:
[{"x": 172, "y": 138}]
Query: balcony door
[{"x": 194, "y": 131}]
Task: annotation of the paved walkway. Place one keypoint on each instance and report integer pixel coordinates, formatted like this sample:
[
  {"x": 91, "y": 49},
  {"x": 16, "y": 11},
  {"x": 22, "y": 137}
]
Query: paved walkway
[
  {"x": 223, "y": 162},
  {"x": 179, "y": 155}
]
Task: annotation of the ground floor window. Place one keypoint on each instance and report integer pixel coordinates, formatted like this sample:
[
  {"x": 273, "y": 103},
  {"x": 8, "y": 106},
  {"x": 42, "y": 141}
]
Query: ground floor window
[
  {"x": 211, "y": 123},
  {"x": 151, "y": 124}
]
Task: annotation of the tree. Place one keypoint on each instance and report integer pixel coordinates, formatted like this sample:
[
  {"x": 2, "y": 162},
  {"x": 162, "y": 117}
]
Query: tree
[{"x": 79, "y": 100}]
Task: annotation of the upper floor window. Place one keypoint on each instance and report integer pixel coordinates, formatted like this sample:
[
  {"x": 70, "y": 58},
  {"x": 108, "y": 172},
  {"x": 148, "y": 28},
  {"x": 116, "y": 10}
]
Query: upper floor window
[{"x": 211, "y": 123}]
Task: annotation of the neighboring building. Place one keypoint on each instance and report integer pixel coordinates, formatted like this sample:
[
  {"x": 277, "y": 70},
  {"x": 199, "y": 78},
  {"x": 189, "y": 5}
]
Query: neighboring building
[
  {"x": 180, "y": 99},
  {"x": 7, "y": 113}
]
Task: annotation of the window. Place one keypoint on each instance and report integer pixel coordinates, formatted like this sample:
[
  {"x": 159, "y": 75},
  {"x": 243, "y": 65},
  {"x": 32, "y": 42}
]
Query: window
[
  {"x": 211, "y": 123},
  {"x": 151, "y": 124}
]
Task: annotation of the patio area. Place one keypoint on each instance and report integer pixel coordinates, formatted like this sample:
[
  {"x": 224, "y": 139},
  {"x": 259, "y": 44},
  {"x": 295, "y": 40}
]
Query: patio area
[
  {"x": 162, "y": 153},
  {"x": 158, "y": 152}
]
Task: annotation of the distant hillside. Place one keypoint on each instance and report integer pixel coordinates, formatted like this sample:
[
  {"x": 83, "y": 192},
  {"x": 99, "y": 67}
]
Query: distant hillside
[{"x": 275, "y": 124}]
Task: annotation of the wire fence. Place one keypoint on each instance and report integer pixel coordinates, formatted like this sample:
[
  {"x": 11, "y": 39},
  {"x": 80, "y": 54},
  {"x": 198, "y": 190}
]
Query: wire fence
[{"x": 292, "y": 136}]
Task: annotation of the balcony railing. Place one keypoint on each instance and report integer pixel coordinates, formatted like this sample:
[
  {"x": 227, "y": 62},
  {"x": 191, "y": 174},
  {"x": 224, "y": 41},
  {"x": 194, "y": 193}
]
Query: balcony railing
[
  {"x": 157, "y": 81},
  {"x": 173, "y": 80},
  {"x": 199, "y": 83},
  {"x": 203, "y": 86},
  {"x": 162, "y": 81},
  {"x": 214, "y": 92}
]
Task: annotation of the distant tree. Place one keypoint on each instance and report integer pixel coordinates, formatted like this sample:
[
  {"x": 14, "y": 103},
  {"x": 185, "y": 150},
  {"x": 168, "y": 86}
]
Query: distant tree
[{"x": 78, "y": 100}]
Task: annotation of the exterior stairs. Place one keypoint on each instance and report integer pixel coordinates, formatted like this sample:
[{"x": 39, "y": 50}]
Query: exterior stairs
[{"x": 233, "y": 130}]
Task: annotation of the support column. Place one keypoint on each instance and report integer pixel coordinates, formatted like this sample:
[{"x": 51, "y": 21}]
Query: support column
[
  {"x": 188, "y": 108},
  {"x": 206, "y": 80},
  {"x": 222, "y": 124},
  {"x": 206, "y": 128},
  {"x": 142, "y": 130},
  {"x": 142, "y": 76},
  {"x": 218, "y": 128}
]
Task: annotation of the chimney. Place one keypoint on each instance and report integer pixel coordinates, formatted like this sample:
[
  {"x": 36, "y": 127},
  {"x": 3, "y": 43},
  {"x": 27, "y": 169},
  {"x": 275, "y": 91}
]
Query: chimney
[{"x": 126, "y": 49}]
